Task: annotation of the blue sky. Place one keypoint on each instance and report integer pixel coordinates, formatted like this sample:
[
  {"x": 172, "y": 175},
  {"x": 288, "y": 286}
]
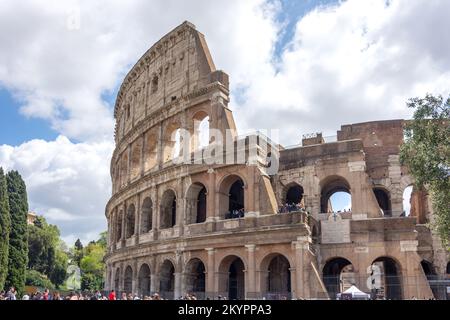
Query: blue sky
[
  {"x": 298, "y": 73},
  {"x": 15, "y": 128}
]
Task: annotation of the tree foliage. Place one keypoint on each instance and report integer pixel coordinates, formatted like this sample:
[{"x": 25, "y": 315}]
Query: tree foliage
[
  {"x": 426, "y": 152},
  {"x": 46, "y": 252},
  {"x": 37, "y": 279},
  {"x": 92, "y": 265},
  {"x": 5, "y": 228},
  {"x": 18, "y": 242}
]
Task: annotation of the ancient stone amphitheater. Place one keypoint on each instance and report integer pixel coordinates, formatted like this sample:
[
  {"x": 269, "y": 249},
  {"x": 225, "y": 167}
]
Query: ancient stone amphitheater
[{"x": 214, "y": 226}]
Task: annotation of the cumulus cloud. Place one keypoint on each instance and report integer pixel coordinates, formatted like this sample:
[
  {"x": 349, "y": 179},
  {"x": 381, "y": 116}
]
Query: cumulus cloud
[
  {"x": 349, "y": 62},
  {"x": 352, "y": 62},
  {"x": 66, "y": 182}
]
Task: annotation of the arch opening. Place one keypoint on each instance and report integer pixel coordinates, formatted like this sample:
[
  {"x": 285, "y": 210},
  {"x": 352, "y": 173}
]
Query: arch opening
[
  {"x": 128, "y": 280},
  {"x": 335, "y": 195},
  {"x": 195, "y": 278},
  {"x": 117, "y": 281},
  {"x": 168, "y": 210},
  {"x": 136, "y": 149},
  {"x": 407, "y": 197},
  {"x": 277, "y": 274},
  {"x": 201, "y": 136},
  {"x": 147, "y": 215},
  {"x": 232, "y": 197},
  {"x": 338, "y": 276},
  {"x": 131, "y": 216},
  {"x": 232, "y": 279},
  {"x": 196, "y": 201},
  {"x": 150, "y": 151},
  {"x": 384, "y": 201},
  {"x": 167, "y": 280},
  {"x": 119, "y": 227},
  {"x": 390, "y": 286},
  {"x": 144, "y": 281}
]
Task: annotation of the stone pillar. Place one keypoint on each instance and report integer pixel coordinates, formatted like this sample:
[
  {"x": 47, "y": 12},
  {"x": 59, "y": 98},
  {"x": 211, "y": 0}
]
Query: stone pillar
[
  {"x": 211, "y": 271},
  {"x": 121, "y": 279},
  {"x": 122, "y": 233},
  {"x": 250, "y": 286},
  {"x": 177, "y": 291},
  {"x": 211, "y": 196},
  {"x": 134, "y": 282},
  {"x": 143, "y": 155},
  {"x": 301, "y": 248},
  {"x": 128, "y": 178},
  {"x": 137, "y": 219},
  {"x": 154, "y": 283},
  {"x": 159, "y": 157}
]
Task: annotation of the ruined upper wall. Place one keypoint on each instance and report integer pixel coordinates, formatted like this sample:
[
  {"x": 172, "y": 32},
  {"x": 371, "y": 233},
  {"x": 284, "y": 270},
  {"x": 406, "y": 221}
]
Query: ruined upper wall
[
  {"x": 380, "y": 140},
  {"x": 178, "y": 64}
]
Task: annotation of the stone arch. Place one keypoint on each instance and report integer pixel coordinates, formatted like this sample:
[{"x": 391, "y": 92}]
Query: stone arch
[
  {"x": 196, "y": 203},
  {"x": 128, "y": 280},
  {"x": 147, "y": 215},
  {"x": 195, "y": 277},
  {"x": 150, "y": 150},
  {"x": 231, "y": 195},
  {"x": 293, "y": 194},
  {"x": 168, "y": 211},
  {"x": 200, "y": 137},
  {"x": 144, "y": 280},
  {"x": 407, "y": 196},
  {"x": 117, "y": 281},
  {"x": 232, "y": 277},
  {"x": 119, "y": 226},
  {"x": 390, "y": 278},
  {"x": 448, "y": 268},
  {"x": 154, "y": 87},
  {"x": 130, "y": 221},
  {"x": 171, "y": 141},
  {"x": 337, "y": 275},
  {"x": 431, "y": 274},
  {"x": 384, "y": 200},
  {"x": 276, "y": 276},
  {"x": 167, "y": 279},
  {"x": 135, "y": 167},
  {"x": 329, "y": 186},
  {"x": 124, "y": 168}
]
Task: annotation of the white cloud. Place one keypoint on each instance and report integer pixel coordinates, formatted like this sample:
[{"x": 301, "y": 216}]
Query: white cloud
[
  {"x": 67, "y": 183},
  {"x": 353, "y": 62}
]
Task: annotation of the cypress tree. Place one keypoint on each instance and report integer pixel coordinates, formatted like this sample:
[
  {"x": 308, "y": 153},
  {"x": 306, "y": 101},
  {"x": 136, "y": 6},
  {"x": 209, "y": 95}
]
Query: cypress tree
[
  {"x": 5, "y": 228},
  {"x": 18, "y": 237}
]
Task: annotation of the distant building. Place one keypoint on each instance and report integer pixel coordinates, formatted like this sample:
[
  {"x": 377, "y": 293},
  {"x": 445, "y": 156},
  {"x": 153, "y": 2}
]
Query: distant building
[{"x": 31, "y": 217}]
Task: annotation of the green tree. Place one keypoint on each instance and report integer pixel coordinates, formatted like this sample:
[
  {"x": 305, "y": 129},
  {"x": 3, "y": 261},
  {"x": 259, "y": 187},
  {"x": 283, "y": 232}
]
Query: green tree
[
  {"x": 78, "y": 252},
  {"x": 92, "y": 265},
  {"x": 5, "y": 228},
  {"x": 426, "y": 152},
  {"x": 18, "y": 243},
  {"x": 46, "y": 253},
  {"x": 37, "y": 279}
]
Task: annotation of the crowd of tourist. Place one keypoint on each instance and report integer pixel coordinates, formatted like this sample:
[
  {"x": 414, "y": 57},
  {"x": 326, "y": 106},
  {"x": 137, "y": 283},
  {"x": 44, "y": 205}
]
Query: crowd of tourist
[
  {"x": 291, "y": 207},
  {"x": 11, "y": 294},
  {"x": 234, "y": 214}
]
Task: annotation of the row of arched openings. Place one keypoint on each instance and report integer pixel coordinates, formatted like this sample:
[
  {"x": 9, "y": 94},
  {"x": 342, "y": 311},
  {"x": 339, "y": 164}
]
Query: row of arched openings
[
  {"x": 335, "y": 196},
  {"x": 339, "y": 275},
  {"x": 276, "y": 280}
]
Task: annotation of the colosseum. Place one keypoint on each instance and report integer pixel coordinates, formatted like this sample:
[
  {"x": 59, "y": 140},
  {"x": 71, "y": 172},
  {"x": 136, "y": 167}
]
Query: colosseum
[{"x": 224, "y": 224}]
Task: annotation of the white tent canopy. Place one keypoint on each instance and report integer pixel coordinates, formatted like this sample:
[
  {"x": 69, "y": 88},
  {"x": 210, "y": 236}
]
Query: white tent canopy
[{"x": 355, "y": 293}]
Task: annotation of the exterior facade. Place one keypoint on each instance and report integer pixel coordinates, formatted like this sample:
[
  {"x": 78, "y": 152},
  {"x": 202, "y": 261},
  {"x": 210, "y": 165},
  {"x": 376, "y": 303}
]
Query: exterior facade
[{"x": 214, "y": 226}]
